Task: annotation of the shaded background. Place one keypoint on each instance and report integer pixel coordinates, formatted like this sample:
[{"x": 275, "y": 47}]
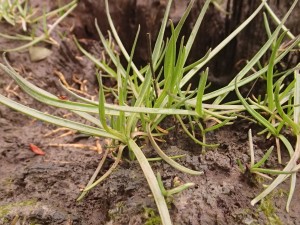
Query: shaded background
[{"x": 217, "y": 25}]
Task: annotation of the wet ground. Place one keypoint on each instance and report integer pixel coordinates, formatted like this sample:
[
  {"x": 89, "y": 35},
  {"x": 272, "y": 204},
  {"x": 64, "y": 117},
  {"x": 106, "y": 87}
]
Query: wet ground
[{"x": 37, "y": 189}]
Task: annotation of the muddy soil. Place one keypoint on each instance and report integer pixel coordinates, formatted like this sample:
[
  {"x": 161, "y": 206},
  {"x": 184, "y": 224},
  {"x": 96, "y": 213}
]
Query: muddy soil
[{"x": 37, "y": 189}]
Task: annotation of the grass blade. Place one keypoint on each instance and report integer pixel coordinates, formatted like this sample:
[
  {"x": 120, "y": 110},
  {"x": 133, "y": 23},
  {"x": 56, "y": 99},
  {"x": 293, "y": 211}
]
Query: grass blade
[
  {"x": 217, "y": 49},
  {"x": 200, "y": 93},
  {"x": 167, "y": 158},
  {"x": 152, "y": 181},
  {"x": 56, "y": 120}
]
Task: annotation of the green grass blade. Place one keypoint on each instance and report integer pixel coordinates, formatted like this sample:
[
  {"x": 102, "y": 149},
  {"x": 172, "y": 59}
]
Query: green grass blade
[
  {"x": 104, "y": 67},
  {"x": 196, "y": 27},
  {"x": 53, "y": 12},
  {"x": 109, "y": 50},
  {"x": 273, "y": 172},
  {"x": 270, "y": 77},
  {"x": 297, "y": 97},
  {"x": 122, "y": 98},
  {"x": 45, "y": 35},
  {"x": 167, "y": 158},
  {"x": 152, "y": 181},
  {"x": 267, "y": 27},
  {"x": 161, "y": 184},
  {"x": 183, "y": 19},
  {"x": 191, "y": 66},
  {"x": 255, "y": 114},
  {"x": 277, "y": 20},
  {"x": 231, "y": 86},
  {"x": 159, "y": 40},
  {"x": 288, "y": 168},
  {"x": 217, "y": 49},
  {"x": 108, "y": 172},
  {"x": 179, "y": 68},
  {"x": 291, "y": 192},
  {"x": 191, "y": 135},
  {"x": 44, "y": 96},
  {"x": 89, "y": 118},
  {"x": 102, "y": 115},
  {"x": 51, "y": 99},
  {"x": 217, "y": 126},
  {"x": 287, "y": 144},
  {"x": 295, "y": 127},
  {"x": 120, "y": 44},
  {"x": 93, "y": 178},
  {"x": 200, "y": 93},
  {"x": 264, "y": 158},
  {"x": 56, "y": 120}
]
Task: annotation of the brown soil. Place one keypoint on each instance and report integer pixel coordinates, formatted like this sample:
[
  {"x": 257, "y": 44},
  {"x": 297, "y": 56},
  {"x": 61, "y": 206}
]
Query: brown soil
[{"x": 43, "y": 189}]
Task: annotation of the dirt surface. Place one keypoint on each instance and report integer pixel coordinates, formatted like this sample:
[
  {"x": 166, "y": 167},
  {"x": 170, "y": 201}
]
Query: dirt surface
[{"x": 43, "y": 189}]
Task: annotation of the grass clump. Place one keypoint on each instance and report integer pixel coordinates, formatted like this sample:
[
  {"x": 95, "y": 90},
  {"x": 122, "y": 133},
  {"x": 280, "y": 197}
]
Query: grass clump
[
  {"x": 15, "y": 12},
  {"x": 281, "y": 105},
  {"x": 146, "y": 96}
]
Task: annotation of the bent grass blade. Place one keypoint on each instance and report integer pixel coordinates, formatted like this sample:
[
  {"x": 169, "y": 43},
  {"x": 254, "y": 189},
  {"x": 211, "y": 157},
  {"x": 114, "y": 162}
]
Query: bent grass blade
[
  {"x": 152, "y": 181},
  {"x": 167, "y": 158},
  {"x": 55, "y": 120}
]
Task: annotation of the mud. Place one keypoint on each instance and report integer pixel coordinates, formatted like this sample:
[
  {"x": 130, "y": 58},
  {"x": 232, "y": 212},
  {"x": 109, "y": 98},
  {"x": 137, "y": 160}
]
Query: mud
[{"x": 43, "y": 190}]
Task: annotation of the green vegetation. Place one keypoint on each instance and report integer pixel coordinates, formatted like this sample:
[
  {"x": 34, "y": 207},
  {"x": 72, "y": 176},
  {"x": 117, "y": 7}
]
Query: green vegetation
[
  {"x": 32, "y": 20},
  {"x": 5, "y": 209},
  {"x": 146, "y": 96},
  {"x": 151, "y": 217},
  {"x": 267, "y": 207}
]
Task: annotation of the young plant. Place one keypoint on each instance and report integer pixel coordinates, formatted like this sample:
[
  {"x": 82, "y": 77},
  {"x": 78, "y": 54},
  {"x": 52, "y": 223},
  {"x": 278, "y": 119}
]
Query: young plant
[
  {"x": 273, "y": 106},
  {"x": 14, "y": 12},
  {"x": 175, "y": 190},
  {"x": 293, "y": 123},
  {"x": 123, "y": 119},
  {"x": 147, "y": 96},
  {"x": 256, "y": 167}
]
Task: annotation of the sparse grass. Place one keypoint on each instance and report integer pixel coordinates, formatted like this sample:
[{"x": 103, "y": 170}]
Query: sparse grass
[
  {"x": 145, "y": 97},
  {"x": 281, "y": 105},
  {"x": 16, "y": 12},
  {"x": 35, "y": 26}
]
